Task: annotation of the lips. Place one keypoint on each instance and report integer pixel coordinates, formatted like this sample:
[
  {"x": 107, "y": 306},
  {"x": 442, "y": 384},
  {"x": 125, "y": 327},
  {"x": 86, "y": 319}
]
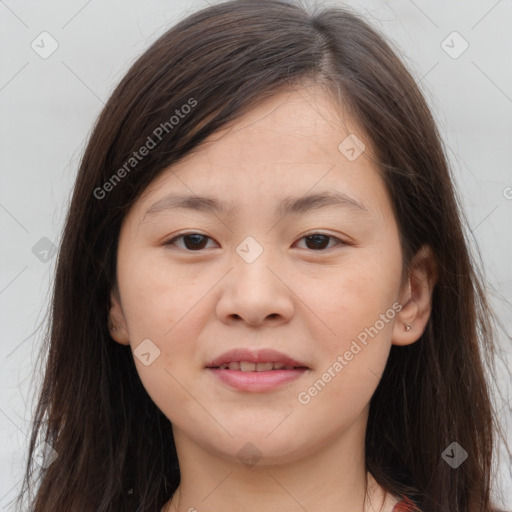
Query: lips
[
  {"x": 259, "y": 361},
  {"x": 260, "y": 371}
]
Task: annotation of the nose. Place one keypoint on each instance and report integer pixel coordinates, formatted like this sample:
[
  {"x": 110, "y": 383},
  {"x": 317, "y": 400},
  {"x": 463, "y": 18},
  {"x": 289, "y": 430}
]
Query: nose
[{"x": 256, "y": 293}]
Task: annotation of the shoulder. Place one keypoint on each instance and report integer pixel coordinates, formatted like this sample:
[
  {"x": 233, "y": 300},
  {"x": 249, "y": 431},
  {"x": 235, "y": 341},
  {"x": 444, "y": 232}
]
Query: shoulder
[{"x": 406, "y": 505}]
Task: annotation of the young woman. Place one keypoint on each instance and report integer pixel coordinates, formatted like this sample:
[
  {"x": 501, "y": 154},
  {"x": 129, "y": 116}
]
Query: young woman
[{"x": 264, "y": 296}]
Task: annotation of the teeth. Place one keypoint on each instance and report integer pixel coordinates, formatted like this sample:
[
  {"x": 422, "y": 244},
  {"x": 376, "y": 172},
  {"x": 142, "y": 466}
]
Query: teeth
[
  {"x": 246, "y": 366},
  {"x": 264, "y": 367}
]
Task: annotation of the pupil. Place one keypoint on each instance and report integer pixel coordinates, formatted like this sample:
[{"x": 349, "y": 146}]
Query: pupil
[
  {"x": 196, "y": 241},
  {"x": 317, "y": 239}
]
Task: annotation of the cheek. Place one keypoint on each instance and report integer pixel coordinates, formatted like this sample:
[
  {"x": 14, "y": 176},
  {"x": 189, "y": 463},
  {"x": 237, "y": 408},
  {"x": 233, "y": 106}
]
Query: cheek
[
  {"x": 158, "y": 308},
  {"x": 351, "y": 362},
  {"x": 351, "y": 297},
  {"x": 354, "y": 304},
  {"x": 157, "y": 296}
]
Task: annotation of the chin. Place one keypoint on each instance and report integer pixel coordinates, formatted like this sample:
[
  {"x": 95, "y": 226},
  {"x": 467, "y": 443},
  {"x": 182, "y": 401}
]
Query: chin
[{"x": 257, "y": 447}]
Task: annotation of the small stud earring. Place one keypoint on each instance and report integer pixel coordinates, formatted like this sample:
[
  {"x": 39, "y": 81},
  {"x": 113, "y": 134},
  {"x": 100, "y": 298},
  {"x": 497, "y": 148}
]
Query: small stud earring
[{"x": 407, "y": 327}]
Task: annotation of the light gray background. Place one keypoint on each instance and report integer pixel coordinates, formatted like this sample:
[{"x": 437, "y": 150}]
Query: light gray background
[{"x": 48, "y": 107}]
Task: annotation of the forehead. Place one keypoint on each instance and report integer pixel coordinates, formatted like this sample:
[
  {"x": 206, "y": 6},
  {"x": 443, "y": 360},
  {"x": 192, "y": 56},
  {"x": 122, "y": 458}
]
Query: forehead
[
  {"x": 287, "y": 145},
  {"x": 297, "y": 125}
]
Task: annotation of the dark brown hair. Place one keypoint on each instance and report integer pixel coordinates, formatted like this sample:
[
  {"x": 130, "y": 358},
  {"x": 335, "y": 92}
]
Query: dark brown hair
[{"x": 115, "y": 447}]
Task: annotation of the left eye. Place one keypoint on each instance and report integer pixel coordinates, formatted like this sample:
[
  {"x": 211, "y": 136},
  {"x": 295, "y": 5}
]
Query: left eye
[
  {"x": 197, "y": 241},
  {"x": 317, "y": 240}
]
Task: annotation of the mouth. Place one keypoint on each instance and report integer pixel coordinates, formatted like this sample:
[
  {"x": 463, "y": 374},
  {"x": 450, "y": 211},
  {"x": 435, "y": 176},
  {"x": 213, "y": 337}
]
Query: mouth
[
  {"x": 262, "y": 360},
  {"x": 263, "y": 370},
  {"x": 247, "y": 366}
]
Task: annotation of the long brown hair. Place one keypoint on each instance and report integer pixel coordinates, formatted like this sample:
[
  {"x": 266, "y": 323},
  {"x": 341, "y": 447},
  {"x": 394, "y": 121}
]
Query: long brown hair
[{"x": 115, "y": 448}]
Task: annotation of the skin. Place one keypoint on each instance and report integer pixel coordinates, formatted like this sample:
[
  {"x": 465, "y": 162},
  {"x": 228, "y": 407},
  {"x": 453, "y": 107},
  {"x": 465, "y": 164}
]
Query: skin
[{"x": 306, "y": 302}]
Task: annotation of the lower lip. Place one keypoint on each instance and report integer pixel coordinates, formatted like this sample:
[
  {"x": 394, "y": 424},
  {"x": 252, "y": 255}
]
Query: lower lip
[{"x": 257, "y": 381}]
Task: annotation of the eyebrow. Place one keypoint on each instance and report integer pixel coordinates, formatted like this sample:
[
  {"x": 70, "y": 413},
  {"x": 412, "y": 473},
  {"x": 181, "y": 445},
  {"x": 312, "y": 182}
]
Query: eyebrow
[{"x": 288, "y": 206}]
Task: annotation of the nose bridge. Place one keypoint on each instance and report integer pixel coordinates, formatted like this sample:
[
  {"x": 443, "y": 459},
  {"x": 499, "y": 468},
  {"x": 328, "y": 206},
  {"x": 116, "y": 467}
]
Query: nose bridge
[
  {"x": 252, "y": 262},
  {"x": 254, "y": 291}
]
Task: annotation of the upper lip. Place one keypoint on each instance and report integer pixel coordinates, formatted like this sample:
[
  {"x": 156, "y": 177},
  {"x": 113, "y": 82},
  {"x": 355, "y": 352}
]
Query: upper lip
[{"x": 258, "y": 356}]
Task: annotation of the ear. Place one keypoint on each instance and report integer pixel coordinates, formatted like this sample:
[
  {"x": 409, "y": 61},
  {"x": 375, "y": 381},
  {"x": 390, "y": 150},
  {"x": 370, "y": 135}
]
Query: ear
[
  {"x": 416, "y": 298},
  {"x": 116, "y": 322}
]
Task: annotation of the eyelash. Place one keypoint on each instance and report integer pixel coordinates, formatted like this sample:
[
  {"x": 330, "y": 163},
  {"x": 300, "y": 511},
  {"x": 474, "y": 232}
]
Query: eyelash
[{"x": 182, "y": 235}]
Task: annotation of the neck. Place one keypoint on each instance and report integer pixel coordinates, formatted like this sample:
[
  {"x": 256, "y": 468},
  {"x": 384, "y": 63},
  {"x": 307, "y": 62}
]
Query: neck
[{"x": 332, "y": 477}]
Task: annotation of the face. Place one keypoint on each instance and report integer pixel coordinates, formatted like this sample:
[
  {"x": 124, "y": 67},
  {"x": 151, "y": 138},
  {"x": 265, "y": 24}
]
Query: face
[{"x": 318, "y": 281}]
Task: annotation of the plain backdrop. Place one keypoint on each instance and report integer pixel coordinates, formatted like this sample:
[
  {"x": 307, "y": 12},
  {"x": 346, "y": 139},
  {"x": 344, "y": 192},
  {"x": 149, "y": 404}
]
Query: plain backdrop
[{"x": 49, "y": 103}]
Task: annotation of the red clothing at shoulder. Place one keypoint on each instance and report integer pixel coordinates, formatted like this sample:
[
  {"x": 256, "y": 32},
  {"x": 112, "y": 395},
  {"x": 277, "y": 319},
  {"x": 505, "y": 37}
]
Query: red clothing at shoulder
[{"x": 406, "y": 505}]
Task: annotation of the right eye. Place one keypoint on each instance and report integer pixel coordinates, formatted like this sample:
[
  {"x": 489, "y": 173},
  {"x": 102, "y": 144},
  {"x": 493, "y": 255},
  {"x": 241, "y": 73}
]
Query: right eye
[{"x": 193, "y": 241}]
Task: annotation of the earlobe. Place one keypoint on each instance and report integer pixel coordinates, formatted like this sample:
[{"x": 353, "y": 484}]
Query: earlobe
[
  {"x": 416, "y": 299},
  {"x": 116, "y": 320}
]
